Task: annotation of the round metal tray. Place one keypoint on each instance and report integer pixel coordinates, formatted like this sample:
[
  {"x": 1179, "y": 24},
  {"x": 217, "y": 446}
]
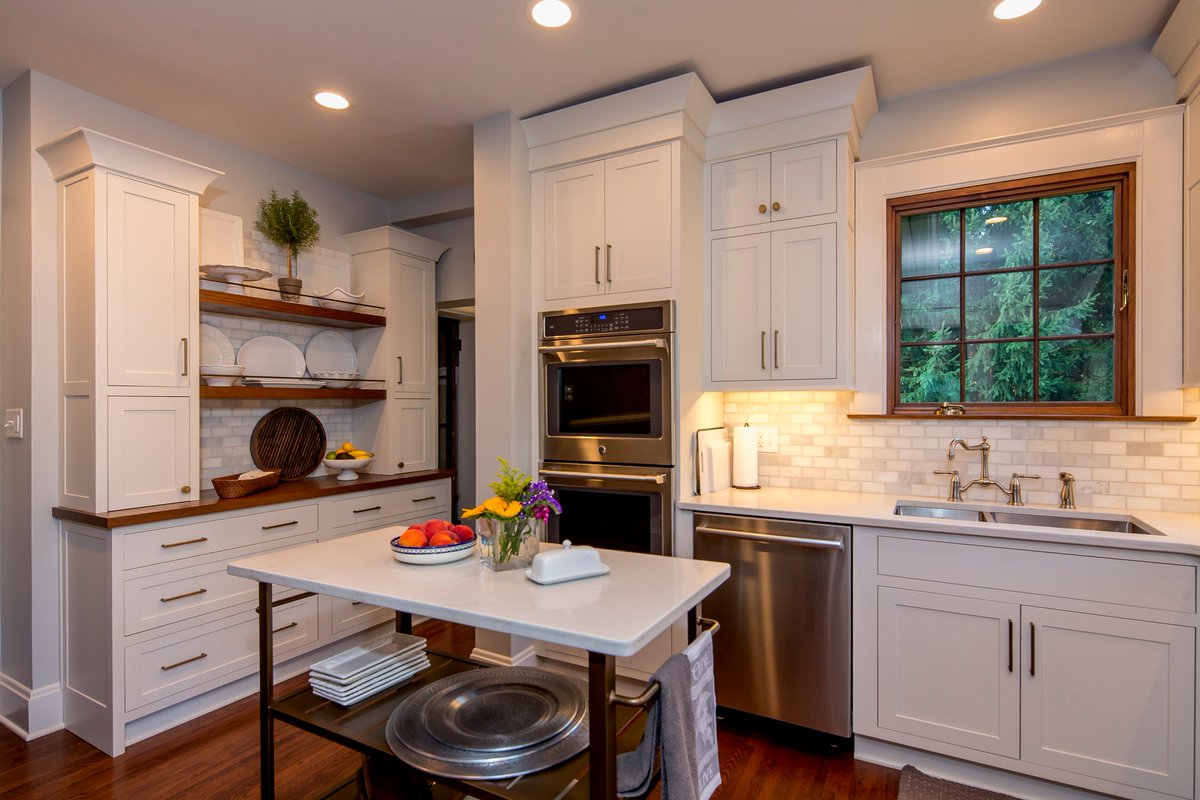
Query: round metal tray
[{"x": 507, "y": 721}]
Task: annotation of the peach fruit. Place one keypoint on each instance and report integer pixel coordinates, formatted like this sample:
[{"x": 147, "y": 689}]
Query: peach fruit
[
  {"x": 435, "y": 525},
  {"x": 442, "y": 538},
  {"x": 463, "y": 533},
  {"x": 413, "y": 538}
]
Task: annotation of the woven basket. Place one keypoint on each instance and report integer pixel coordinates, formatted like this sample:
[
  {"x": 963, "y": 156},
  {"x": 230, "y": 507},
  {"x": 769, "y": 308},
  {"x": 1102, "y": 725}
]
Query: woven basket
[{"x": 229, "y": 487}]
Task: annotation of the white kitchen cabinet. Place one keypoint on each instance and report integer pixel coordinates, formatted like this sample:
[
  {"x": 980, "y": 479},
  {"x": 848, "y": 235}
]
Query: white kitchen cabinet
[
  {"x": 774, "y": 306},
  {"x": 128, "y": 321},
  {"x": 1070, "y": 664},
  {"x": 948, "y": 669},
  {"x": 412, "y": 322},
  {"x": 783, "y": 185},
  {"x": 608, "y": 225}
]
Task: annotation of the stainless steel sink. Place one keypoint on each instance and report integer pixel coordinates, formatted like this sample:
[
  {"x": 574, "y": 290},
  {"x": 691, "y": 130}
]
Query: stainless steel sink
[{"x": 1070, "y": 520}]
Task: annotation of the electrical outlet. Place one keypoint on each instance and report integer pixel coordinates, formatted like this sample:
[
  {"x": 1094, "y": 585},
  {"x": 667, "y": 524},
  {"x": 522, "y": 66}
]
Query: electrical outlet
[{"x": 768, "y": 438}]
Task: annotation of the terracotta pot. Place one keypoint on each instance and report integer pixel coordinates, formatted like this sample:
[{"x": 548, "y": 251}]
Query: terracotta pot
[{"x": 289, "y": 289}]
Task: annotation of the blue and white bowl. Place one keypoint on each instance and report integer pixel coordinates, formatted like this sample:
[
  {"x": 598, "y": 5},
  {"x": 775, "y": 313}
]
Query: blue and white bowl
[{"x": 432, "y": 555}]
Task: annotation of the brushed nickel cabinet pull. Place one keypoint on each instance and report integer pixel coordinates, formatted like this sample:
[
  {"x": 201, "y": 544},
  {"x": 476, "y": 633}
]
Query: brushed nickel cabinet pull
[
  {"x": 400, "y": 367},
  {"x": 762, "y": 350},
  {"x": 608, "y": 262},
  {"x": 197, "y": 540},
  {"x": 423, "y": 499},
  {"x": 172, "y": 598},
  {"x": 185, "y": 355},
  {"x": 280, "y": 525},
  {"x": 365, "y": 510},
  {"x": 597, "y": 265},
  {"x": 285, "y": 627},
  {"x": 1032, "y": 651},
  {"x": 166, "y": 667},
  {"x": 776, "y": 349}
]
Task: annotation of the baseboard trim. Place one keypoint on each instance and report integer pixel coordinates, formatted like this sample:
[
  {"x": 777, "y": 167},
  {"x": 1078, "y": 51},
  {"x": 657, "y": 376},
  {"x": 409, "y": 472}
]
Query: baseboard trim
[
  {"x": 30, "y": 713},
  {"x": 525, "y": 658}
]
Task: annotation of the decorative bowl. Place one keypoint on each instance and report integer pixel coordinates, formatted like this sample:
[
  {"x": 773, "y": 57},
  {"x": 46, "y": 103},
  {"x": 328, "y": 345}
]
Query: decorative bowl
[
  {"x": 334, "y": 379},
  {"x": 338, "y": 298},
  {"x": 350, "y": 467},
  {"x": 433, "y": 555},
  {"x": 221, "y": 375}
]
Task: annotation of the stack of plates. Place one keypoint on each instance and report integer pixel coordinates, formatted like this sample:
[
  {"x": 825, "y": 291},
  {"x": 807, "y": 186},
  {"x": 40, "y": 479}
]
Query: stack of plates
[{"x": 368, "y": 669}]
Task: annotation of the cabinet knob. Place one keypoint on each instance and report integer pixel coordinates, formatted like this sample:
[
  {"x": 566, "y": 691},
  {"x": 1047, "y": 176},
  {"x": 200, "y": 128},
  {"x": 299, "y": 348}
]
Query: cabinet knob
[
  {"x": 399, "y": 465},
  {"x": 185, "y": 489},
  {"x": 775, "y": 206},
  {"x": 762, "y": 208}
]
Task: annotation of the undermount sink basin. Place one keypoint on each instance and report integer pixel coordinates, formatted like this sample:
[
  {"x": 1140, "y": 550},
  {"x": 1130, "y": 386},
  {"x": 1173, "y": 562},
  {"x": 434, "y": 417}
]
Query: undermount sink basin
[{"x": 1070, "y": 520}]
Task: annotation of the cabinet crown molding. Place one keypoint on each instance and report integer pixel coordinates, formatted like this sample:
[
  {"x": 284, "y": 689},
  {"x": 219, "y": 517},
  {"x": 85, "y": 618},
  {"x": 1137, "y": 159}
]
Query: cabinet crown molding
[
  {"x": 854, "y": 89},
  {"x": 1176, "y": 47},
  {"x": 389, "y": 237},
  {"x": 82, "y": 148}
]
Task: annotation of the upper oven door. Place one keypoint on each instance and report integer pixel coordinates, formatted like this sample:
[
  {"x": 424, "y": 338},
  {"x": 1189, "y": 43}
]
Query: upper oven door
[{"x": 607, "y": 400}]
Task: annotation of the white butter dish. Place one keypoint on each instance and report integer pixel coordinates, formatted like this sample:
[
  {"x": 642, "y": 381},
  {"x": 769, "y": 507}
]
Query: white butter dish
[{"x": 566, "y": 564}]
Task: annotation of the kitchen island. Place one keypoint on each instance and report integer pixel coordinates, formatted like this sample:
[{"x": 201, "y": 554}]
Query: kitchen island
[{"x": 613, "y": 615}]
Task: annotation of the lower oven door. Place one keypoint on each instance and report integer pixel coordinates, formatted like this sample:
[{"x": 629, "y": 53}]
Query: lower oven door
[{"x": 616, "y": 508}]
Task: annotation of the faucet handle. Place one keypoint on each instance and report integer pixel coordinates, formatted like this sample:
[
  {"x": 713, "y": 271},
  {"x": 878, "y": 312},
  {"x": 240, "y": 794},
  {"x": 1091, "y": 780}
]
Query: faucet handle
[
  {"x": 955, "y": 485},
  {"x": 1031, "y": 477},
  {"x": 1014, "y": 488}
]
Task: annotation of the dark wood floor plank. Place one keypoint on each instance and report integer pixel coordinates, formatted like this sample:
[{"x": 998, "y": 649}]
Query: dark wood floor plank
[{"x": 215, "y": 757}]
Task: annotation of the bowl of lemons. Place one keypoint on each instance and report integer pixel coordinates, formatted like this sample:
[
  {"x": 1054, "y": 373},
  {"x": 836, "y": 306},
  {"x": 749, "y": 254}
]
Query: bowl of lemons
[{"x": 349, "y": 461}]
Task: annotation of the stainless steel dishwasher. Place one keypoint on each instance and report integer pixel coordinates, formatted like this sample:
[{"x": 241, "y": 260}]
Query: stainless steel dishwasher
[{"x": 785, "y": 618}]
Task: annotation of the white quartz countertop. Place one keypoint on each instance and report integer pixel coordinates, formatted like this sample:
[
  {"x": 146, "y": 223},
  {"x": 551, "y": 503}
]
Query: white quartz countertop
[
  {"x": 616, "y": 614},
  {"x": 1181, "y": 532}
]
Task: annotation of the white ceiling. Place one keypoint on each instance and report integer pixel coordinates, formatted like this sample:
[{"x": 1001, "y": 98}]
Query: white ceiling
[{"x": 420, "y": 72}]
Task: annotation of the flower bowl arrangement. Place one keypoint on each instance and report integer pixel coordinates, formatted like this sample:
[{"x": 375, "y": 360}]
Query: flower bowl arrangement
[{"x": 513, "y": 523}]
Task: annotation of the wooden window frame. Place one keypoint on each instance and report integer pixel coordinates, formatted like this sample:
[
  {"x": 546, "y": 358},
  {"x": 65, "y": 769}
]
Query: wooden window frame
[{"x": 1120, "y": 178}]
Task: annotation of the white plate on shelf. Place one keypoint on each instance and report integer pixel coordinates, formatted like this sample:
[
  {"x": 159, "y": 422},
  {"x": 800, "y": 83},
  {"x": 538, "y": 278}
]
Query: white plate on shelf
[
  {"x": 271, "y": 357},
  {"x": 215, "y": 348},
  {"x": 284, "y": 383},
  {"x": 329, "y": 351}
]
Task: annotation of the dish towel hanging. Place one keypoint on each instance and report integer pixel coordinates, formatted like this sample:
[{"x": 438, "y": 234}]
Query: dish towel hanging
[{"x": 683, "y": 723}]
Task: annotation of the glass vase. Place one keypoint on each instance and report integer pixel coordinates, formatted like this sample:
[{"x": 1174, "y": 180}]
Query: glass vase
[{"x": 506, "y": 544}]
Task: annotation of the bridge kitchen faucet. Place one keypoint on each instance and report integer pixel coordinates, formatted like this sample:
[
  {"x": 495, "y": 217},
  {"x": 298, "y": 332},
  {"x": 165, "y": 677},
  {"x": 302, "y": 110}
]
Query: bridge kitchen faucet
[{"x": 985, "y": 479}]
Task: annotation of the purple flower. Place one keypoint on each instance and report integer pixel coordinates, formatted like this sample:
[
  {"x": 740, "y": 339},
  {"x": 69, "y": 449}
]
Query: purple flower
[{"x": 538, "y": 501}]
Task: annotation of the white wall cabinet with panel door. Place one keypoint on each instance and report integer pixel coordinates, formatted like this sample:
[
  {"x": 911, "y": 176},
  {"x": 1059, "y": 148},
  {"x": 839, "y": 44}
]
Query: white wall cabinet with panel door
[
  {"x": 128, "y": 321},
  {"x": 608, "y": 225},
  {"x": 1066, "y": 663},
  {"x": 396, "y": 269},
  {"x": 774, "y": 187},
  {"x": 774, "y": 306}
]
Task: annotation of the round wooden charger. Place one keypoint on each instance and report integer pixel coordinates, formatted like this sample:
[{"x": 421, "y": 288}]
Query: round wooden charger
[{"x": 288, "y": 439}]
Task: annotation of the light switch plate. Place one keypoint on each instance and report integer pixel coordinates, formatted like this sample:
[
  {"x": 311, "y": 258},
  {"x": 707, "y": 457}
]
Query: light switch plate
[
  {"x": 768, "y": 438},
  {"x": 14, "y": 423}
]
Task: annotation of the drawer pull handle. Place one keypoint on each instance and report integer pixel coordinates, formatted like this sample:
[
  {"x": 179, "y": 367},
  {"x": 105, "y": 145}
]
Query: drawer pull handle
[
  {"x": 1032, "y": 651},
  {"x": 356, "y": 602},
  {"x": 1010, "y": 645},
  {"x": 285, "y": 627},
  {"x": 173, "y": 598},
  {"x": 197, "y": 540},
  {"x": 423, "y": 499},
  {"x": 365, "y": 510},
  {"x": 166, "y": 667},
  {"x": 280, "y": 525}
]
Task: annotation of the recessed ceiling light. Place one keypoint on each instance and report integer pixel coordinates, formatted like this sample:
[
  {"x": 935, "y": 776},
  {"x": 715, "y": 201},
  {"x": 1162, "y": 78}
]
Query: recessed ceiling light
[
  {"x": 1011, "y": 9},
  {"x": 983, "y": 251},
  {"x": 995, "y": 220},
  {"x": 551, "y": 13},
  {"x": 331, "y": 100}
]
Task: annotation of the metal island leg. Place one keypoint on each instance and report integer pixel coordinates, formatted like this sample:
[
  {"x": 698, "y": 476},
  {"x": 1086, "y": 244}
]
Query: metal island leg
[
  {"x": 266, "y": 733},
  {"x": 602, "y": 719}
]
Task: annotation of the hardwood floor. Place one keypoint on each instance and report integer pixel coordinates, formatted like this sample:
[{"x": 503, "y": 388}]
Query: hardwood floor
[{"x": 215, "y": 757}]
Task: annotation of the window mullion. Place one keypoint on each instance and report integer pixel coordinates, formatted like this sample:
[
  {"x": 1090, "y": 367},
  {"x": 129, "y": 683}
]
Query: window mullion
[
  {"x": 1037, "y": 292},
  {"x": 962, "y": 305}
]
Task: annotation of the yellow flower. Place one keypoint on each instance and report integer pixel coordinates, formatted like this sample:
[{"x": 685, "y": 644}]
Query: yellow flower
[
  {"x": 471, "y": 513},
  {"x": 496, "y": 506}
]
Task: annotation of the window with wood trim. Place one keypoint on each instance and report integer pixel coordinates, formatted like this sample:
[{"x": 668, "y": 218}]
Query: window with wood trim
[{"x": 1014, "y": 297}]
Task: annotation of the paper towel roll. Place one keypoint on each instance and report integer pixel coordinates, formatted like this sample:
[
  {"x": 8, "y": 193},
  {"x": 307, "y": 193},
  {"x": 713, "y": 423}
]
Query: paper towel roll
[{"x": 745, "y": 457}]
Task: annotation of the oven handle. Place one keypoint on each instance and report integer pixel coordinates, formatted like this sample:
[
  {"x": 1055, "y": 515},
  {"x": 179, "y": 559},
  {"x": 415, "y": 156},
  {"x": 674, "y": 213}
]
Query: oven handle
[
  {"x": 556, "y": 473},
  {"x": 661, "y": 344}
]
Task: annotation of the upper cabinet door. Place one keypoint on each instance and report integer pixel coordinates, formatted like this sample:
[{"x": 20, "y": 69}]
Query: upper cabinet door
[
  {"x": 149, "y": 276},
  {"x": 804, "y": 307},
  {"x": 637, "y": 221},
  {"x": 740, "y": 294},
  {"x": 741, "y": 192},
  {"x": 412, "y": 306},
  {"x": 575, "y": 231},
  {"x": 804, "y": 181}
]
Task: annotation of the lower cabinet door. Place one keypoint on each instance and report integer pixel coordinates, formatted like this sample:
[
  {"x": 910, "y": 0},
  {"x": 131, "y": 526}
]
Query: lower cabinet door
[
  {"x": 1109, "y": 698},
  {"x": 149, "y": 451},
  {"x": 414, "y": 431},
  {"x": 948, "y": 669}
]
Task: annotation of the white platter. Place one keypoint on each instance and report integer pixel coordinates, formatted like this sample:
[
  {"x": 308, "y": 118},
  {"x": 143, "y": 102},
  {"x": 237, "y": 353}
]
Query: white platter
[
  {"x": 234, "y": 274},
  {"x": 329, "y": 351},
  {"x": 271, "y": 357},
  {"x": 349, "y": 664},
  {"x": 284, "y": 383},
  {"x": 215, "y": 348}
]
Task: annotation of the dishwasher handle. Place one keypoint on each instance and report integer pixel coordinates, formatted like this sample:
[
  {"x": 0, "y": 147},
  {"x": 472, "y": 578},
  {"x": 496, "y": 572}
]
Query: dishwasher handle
[{"x": 768, "y": 538}]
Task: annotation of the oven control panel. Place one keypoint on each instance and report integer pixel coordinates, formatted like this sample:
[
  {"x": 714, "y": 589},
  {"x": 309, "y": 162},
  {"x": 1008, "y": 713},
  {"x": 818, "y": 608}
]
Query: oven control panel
[{"x": 651, "y": 318}]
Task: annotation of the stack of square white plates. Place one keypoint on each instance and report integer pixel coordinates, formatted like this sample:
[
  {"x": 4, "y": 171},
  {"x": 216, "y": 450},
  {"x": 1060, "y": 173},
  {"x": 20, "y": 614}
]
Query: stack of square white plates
[{"x": 368, "y": 669}]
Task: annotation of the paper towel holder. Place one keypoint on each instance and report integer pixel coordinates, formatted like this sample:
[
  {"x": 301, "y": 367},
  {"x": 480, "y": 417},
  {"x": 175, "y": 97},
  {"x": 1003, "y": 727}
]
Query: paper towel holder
[{"x": 734, "y": 483}]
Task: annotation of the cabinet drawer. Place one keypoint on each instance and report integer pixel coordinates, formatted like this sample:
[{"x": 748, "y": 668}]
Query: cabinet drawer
[
  {"x": 202, "y": 538},
  {"x": 385, "y": 505},
  {"x": 173, "y": 664},
  {"x": 350, "y": 615},
  {"x": 157, "y": 600},
  {"x": 1139, "y": 584}
]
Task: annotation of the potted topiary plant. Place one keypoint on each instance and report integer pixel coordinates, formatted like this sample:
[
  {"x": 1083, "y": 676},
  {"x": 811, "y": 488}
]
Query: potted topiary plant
[{"x": 291, "y": 224}]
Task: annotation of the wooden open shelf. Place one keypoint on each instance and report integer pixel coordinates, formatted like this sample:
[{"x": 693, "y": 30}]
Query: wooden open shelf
[
  {"x": 278, "y": 393},
  {"x": 240, "y": 305}
]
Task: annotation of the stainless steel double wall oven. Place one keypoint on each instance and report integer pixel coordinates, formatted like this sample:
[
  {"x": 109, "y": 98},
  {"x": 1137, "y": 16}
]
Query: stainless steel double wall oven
[{"x": 607, "y": 424}]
